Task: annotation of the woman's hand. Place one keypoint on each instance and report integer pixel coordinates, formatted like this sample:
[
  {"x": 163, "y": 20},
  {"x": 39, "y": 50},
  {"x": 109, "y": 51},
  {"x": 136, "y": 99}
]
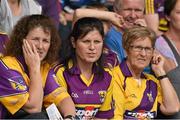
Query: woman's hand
[
  {"x": 157, "y": 64},
  {"x": 32, "y": 59},
  {"x": 31, "y": 56}
]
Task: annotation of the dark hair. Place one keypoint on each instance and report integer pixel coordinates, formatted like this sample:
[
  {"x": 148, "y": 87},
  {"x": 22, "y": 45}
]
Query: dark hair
[
  {"x": 136, "y": 32},
  {"x": 98, "y": 6},
  {"x": 81, "y": 28},
  {"x": 24, "y": 26},
  {"x": 169, "y": 6}
]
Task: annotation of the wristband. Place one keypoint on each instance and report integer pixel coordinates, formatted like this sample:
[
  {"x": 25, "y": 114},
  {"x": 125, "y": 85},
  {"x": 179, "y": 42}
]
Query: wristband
[
  {"x": 71, "y": 117},
  {"x": 162, "y": 77}
]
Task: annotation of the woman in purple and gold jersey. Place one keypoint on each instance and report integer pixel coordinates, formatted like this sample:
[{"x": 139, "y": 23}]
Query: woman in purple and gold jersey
[
  {"x": 82, "y": 71},
  {"x": 26, "y": 84},
  {"x": 138, "y": 94}
]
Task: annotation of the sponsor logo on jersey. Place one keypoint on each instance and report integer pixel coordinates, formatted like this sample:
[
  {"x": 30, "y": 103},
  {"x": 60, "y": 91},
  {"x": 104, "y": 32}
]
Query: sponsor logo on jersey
[
  {"x": 141, "y": 114},
  {"x": 74, "y": 95},
  {"x": 17, "y": 85},
  {"x": 86, "y": 113},
  {"x": 102, "y": 95},
  {"x": 88, "y": 92}
]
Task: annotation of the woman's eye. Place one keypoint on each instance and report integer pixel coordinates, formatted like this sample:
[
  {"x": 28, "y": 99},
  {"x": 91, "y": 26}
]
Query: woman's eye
[
  {"x": 86, "y": 41},
  {"x": 35, "y": 39},
  {"x": 46, "y": 41}
]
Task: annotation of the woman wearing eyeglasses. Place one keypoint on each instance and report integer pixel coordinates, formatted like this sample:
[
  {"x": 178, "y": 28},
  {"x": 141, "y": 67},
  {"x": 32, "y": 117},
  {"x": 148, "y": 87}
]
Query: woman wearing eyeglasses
[{"x": 138, "y": 94}]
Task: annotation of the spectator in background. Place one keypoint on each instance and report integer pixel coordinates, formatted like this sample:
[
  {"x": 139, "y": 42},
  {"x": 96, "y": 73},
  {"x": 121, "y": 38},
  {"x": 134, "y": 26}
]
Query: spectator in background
[
  {"x": 52, "y": 9},
  {"x": 137, "y": 94},
  {"x": 154, "y": 15},
  {"x": 82, "y": 71},
  {"x": 66, "y": 16},
  {"x": 132, "y": 12},
  {"x": 12, "y": 10},
  {"x": 127, "y": 14},
  {"x": 3, "y": 41},
  {"x": 169, "y": 45},
  {"x": 26, "y": 84}
]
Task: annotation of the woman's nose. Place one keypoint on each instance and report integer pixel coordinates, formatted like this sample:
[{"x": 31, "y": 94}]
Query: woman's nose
[
  {"x": 92, "y": 46},
  {"x": 39, "y": 45}
]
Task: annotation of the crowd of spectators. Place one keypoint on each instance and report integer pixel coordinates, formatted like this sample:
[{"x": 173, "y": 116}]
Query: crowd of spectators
[{"x": 94, "y": 59}]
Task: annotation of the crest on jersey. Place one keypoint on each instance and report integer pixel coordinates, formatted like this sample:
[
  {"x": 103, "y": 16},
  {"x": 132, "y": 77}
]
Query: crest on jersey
[
  {"x": 150, "y": 97},
  {"x": 102, "y": 95},
  {"x": 18, "y": 85}
]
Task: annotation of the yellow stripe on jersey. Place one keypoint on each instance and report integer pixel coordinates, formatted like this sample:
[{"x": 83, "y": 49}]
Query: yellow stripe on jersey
[
  {"x": 86, "y": 81},
  {"x": 149, "y": 8},
  {"x": 60, "y": 77}
]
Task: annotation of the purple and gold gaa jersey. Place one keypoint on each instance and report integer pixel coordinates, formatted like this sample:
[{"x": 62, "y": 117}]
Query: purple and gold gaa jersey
[
  {"x": 14, "y": 85},
  {"x": 93, "y": 97},
  {"x": 134, "y": 99}
]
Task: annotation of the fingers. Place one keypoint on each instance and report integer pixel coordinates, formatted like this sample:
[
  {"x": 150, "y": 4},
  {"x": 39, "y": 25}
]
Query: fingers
[
  {"x": 140, "y": 22},
  {"x": 27, "y": 48},
  {"x": 121, "y": 20},
  {"x": 34, "y": 49},
  {"x": 130, "y": 22},
  {"x": 117, "y": 20},
  {"x": 157, "y": 57}
]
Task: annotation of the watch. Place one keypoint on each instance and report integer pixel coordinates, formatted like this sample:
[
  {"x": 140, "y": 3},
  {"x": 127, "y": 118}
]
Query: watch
[
  {"x": 162, "y": 77},
  {"x": 71, "y": 117}
]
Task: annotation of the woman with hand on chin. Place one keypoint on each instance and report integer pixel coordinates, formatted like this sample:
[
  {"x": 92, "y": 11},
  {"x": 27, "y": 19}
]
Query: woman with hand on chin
[
  {"x": 26, "y": 84},
  {"x": 138, "y": 94}
]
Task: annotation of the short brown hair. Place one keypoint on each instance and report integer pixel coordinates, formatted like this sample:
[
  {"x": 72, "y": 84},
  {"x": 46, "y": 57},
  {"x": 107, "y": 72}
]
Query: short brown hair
[{"x": 136, "y": 32}]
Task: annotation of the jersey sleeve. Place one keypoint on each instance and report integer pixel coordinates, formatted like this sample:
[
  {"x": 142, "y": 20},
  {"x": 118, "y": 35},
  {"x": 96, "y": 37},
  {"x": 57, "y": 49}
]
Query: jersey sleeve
[
  {"x": 13, "y": 89},
  {"x": 118, "y": 95},
  {"x": 60, "y": 78},
  {"x": 54, "y": 92}
]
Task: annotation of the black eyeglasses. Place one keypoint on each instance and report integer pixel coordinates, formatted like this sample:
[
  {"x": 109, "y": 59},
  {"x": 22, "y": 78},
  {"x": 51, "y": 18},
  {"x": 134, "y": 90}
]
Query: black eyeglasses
[{"x": 140, "y": 48}]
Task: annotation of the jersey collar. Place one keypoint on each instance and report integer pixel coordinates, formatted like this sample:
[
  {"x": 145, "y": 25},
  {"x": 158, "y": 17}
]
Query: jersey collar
[{"x": 125, "y": 70}]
